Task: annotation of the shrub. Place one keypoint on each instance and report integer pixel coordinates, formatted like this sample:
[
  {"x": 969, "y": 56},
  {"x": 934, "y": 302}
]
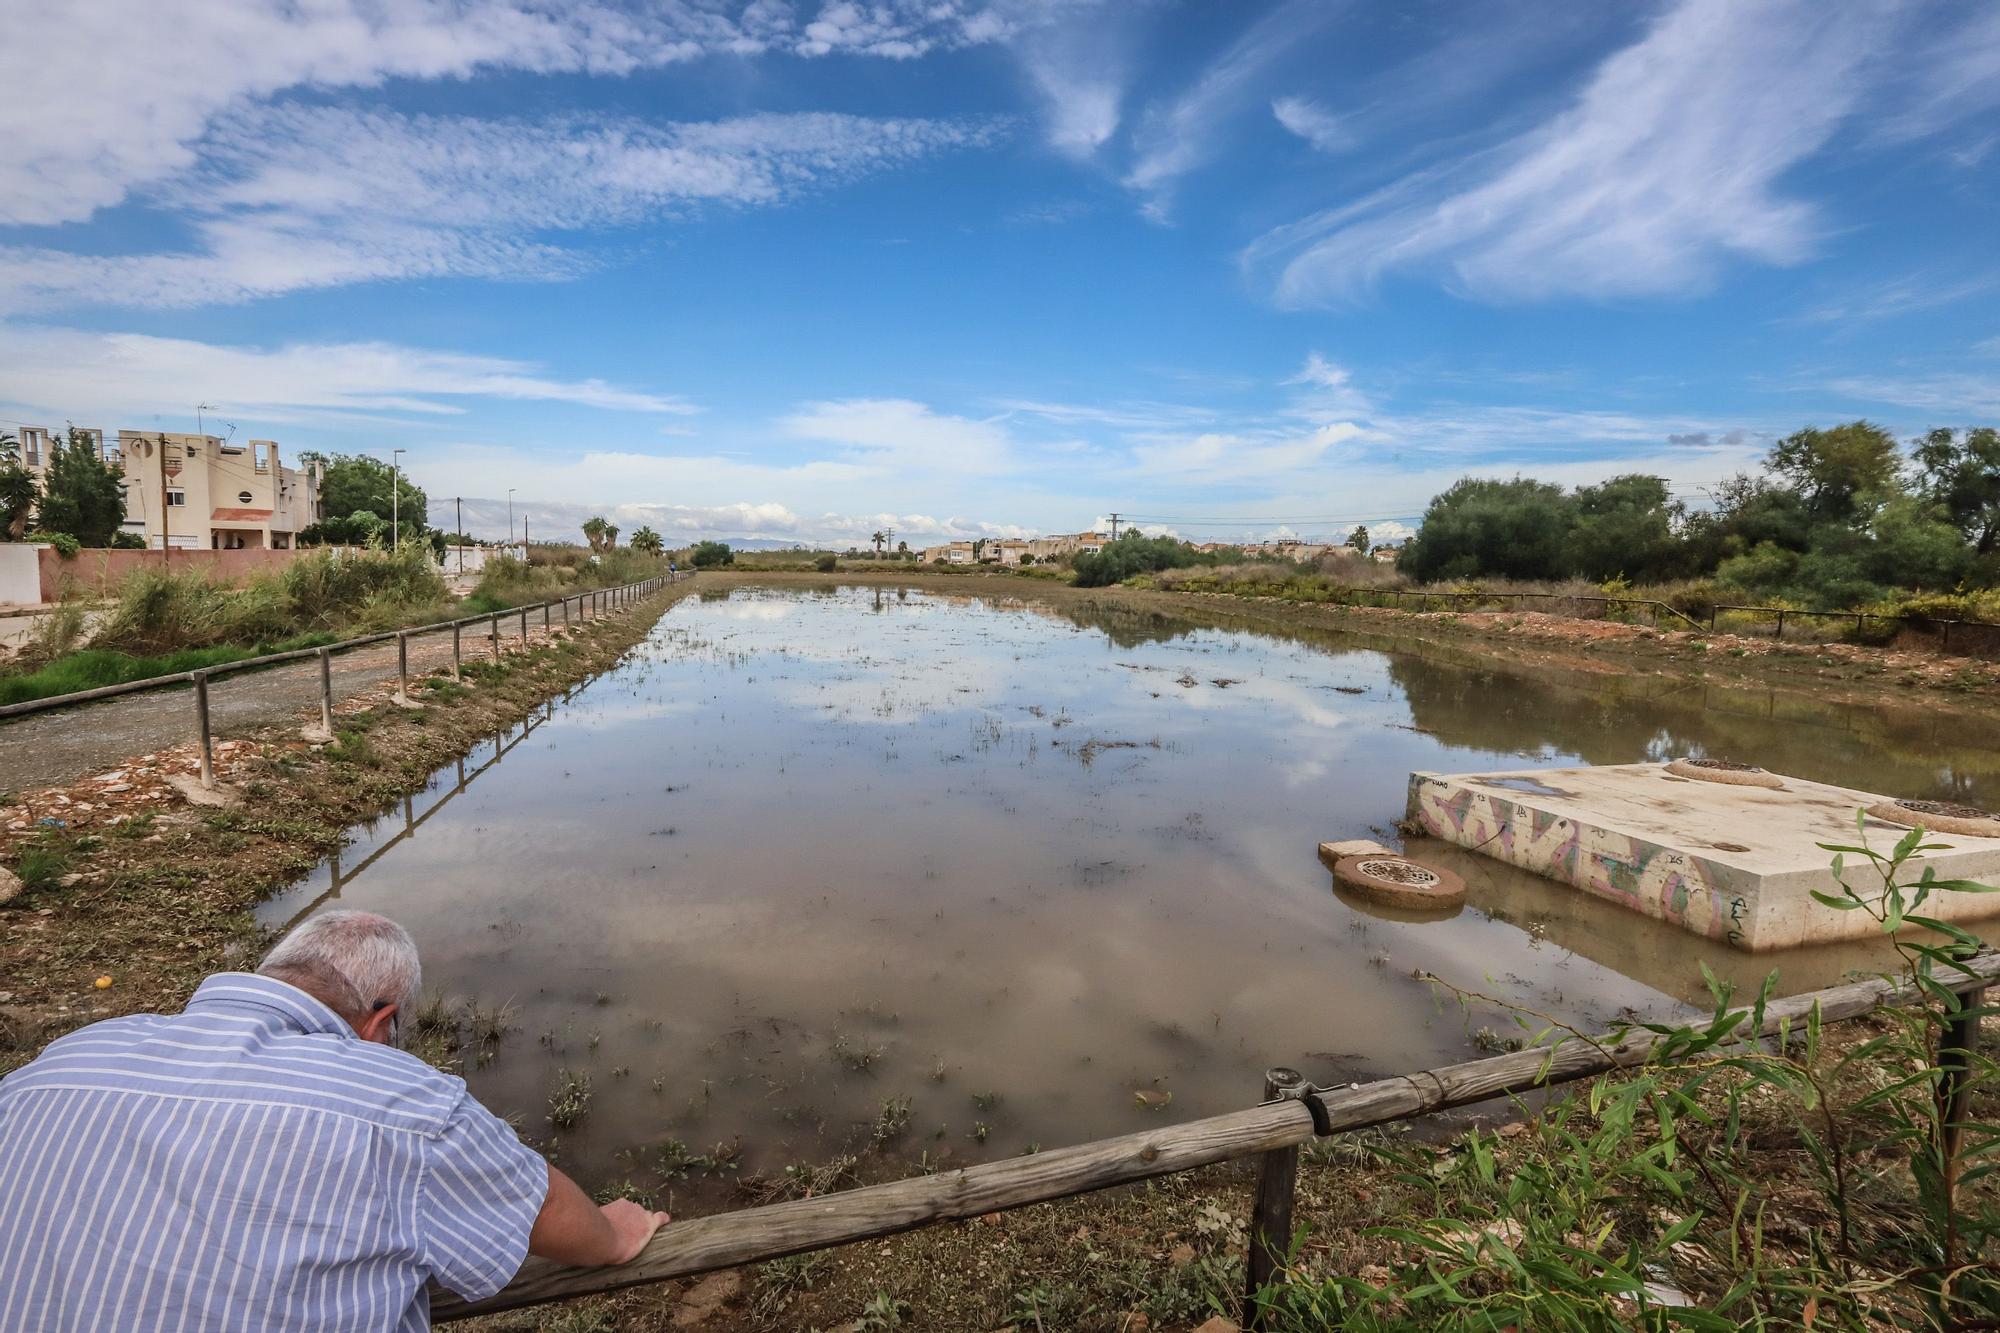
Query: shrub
[
  {"x": 825, "y": 563},
  {"x": 707, "y": 555},
  {"x": 66, "y": 545}
]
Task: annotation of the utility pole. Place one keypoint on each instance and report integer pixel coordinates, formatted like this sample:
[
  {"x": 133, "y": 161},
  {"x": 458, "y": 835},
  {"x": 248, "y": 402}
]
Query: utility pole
[
  {"x": 166, "y": 546},
  {"x": 459, "y": 502},
  {"x": 888, "y": 539},
  {"x": 524, "y": 536},
  {"x": 510, "y": 514},
  {"x": 1114, "y": 527},
  {"x": 395, "y": 498}
]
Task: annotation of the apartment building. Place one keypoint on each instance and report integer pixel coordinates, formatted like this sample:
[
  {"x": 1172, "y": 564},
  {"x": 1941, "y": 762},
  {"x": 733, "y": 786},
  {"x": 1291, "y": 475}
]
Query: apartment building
[{"x": 217, "y": 495}]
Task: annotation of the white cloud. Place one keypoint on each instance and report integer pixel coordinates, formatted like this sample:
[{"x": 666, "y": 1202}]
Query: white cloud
[
  {"x": 1221, "y": 457},
  {"x": 1668, "y": 163},
  {"x": 1185, "y": 132},
  {"x": 91, "y": 111},
  {"x": 1957, "y": 395},
  {"x": 298, "y": 197},
  {"x": 101, "y": 377},
  {"x": 895, "y": 432},
  {"x": 1313, "y": 123}
]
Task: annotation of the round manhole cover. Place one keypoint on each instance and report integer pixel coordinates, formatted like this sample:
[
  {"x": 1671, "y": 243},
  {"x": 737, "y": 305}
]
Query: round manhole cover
[
  {"x": 1939, "y": 817},
  {"x": 1399, "y": 882},
  {"x": 1398, "y": 872},
  {"x": 1725, "y": 771}
]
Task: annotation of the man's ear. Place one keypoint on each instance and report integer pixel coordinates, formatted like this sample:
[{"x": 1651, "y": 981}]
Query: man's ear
[{"x": 379, "y": 1026}]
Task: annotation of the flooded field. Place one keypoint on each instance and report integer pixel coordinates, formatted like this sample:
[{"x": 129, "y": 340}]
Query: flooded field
[{"x": 819, "y": 869}]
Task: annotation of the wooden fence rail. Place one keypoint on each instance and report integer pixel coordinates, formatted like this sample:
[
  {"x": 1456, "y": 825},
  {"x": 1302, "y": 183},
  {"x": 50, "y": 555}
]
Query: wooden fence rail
[{"x": 753, "y": 1235}]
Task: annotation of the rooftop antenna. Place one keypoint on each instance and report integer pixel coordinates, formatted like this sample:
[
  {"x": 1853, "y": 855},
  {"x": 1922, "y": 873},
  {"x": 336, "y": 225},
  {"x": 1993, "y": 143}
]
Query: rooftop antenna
[
  {"x": 232, "y": 432},
  {"x": 200, "y": 408}
]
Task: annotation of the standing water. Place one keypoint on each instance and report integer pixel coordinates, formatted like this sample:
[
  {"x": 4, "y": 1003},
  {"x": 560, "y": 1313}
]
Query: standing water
[{"x": 818, "y": 868}]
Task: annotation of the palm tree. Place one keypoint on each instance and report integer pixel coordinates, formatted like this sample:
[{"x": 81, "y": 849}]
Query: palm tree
[
  {"x": 17, "y": 489},
  {"x": 603, "y": 536},
  {"x": 878, "y": 537},
  {"x": 648, "y": 541}
]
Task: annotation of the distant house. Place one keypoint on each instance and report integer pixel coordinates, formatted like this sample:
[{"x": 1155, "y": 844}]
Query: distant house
[{"x": 1386, "y": 555}]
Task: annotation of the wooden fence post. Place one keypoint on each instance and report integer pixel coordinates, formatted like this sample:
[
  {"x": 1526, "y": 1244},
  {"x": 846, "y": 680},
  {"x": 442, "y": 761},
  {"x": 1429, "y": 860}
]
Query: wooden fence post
[
  {"x": 402, "y": 666},
  {"x": 326, "y": 691},
  {"x": 545, "y": 617},
  {"x": 1271, "y": 1216},
  {"x": 493, "y": 633},
  {"x": 456, "y": 674},
  {"x": 201, "y": 730},
  {"x": 565, "y": 612},
  {"x": 524, "y": 626},
  {"x": 1955, "y": 1053}
]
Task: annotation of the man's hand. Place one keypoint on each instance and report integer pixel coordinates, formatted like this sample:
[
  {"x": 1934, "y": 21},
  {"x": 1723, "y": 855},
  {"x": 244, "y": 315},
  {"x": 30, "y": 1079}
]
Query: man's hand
[
  {"x": 633, "y": 1225},
  {"x": 573, "y": 1230}
]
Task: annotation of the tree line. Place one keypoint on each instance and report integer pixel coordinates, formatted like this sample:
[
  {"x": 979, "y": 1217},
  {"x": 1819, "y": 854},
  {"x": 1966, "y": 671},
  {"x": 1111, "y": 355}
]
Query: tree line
[{"x": 1843, "y": 516}]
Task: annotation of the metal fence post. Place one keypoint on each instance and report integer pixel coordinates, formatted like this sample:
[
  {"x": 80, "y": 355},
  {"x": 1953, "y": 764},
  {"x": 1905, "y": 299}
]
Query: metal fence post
[
  {"x": 402, "y": 666},
  {"x": 201, "y": 730},
  {"x": 456, "y": 674},
  {"x": 1271, "y": 1215},
  {"x": 326, "y": 690}
]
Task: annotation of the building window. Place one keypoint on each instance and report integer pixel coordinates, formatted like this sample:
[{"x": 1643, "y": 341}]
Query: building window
[
  {"x": 176, "y": 499},
  {"x": 243, "y": 497}
]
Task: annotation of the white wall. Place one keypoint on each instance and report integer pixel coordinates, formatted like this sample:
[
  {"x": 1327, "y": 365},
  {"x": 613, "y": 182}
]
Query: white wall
[{"x": 20, "y": 576}]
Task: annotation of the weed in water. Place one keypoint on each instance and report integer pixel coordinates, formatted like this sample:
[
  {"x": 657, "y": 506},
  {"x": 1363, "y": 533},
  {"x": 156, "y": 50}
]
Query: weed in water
[
  {"x": 569, "y": 1099},
  {"x": 856, "y": 1056},
  {"x": 893, "y": 1120}
]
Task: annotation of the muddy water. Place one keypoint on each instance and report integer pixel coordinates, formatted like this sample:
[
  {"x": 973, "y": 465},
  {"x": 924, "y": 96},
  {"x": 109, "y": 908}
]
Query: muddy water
[{"x": 1048, "y": 874}]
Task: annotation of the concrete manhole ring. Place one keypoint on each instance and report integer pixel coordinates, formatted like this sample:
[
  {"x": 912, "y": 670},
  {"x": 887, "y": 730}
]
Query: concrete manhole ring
[
  {"x": 1938, "y": 817},
  {"x": 1725, "y": 772},
  {"x": 1399, "y": 881}
]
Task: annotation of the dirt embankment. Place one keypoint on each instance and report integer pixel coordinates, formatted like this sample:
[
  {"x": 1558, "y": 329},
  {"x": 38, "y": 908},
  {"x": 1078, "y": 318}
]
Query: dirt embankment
[{"x": 131, "y": 892}]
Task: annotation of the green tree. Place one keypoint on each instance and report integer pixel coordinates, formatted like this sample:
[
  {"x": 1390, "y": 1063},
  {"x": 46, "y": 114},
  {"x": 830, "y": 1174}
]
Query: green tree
[
  {"x": 1358, "y": 539},
  {"x": 81, "y": 494},
  {"x": 600, "y": 532},
  {"x": 647, "y": 541},
  {"x": 355, "y": 482},
  {"x": 706, "y": 555},
  {"x": 1626, "y": 527},
  {"x": 1514, "y": 529},
  {"x": 1829, "y": 470},
  {"x": 1960, "y": 470},
  {"x": 17, "y": 490}
]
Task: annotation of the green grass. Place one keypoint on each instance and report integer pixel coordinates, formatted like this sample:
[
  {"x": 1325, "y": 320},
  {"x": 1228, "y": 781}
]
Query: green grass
[{"x": 93, "y": 668}]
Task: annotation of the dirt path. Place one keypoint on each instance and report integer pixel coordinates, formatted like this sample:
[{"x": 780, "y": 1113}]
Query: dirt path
[{"x": 59, "y": 747}]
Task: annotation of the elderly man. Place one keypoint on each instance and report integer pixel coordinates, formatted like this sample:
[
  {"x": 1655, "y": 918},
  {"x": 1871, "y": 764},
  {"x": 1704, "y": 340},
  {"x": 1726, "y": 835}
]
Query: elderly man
[{"x": 266, "y": 1159}]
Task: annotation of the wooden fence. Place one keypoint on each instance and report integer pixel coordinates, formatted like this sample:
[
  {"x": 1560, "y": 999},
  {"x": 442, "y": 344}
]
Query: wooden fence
[{"x": 1273, "y": 1130}]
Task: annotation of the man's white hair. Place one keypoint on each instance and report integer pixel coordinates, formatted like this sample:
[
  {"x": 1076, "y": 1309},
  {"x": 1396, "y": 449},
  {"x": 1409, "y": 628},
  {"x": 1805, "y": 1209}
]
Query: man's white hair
[{"x": 372, "y": 954}]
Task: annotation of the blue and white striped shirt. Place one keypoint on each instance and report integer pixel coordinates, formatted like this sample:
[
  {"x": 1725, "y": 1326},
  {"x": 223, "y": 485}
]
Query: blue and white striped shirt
[{"x": 249, "y": 1163}]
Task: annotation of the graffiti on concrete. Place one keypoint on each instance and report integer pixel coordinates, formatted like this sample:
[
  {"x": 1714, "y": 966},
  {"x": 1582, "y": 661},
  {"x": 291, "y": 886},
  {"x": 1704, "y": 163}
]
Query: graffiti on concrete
[{"x": 1640, "y": 875}]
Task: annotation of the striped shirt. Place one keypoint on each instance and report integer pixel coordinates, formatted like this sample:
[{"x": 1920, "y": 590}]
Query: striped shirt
[{"x": 249, "y": 1163}]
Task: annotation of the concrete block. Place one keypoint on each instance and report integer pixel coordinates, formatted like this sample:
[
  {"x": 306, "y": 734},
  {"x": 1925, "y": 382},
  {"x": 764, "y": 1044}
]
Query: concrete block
[{"x": 1733, "y": 863}]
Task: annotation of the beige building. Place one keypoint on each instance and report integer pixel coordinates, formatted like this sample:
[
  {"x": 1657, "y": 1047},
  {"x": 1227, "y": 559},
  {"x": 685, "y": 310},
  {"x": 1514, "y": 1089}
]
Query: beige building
[{"x": 220, "y": 496}]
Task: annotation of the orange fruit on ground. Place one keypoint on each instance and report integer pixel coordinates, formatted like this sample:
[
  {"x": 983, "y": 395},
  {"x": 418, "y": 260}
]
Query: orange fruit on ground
[{"x": 104, "y": 983}]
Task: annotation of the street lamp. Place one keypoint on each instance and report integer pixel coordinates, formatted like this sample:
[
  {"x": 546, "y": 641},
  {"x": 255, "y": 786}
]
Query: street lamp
[
  {"x": 510, "y": 514},
  {"x": 396, "y": 498}
]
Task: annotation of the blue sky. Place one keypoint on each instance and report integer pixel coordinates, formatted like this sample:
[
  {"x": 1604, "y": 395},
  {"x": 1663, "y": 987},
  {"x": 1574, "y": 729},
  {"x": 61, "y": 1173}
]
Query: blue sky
[{"x": 997, "y": 266}]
